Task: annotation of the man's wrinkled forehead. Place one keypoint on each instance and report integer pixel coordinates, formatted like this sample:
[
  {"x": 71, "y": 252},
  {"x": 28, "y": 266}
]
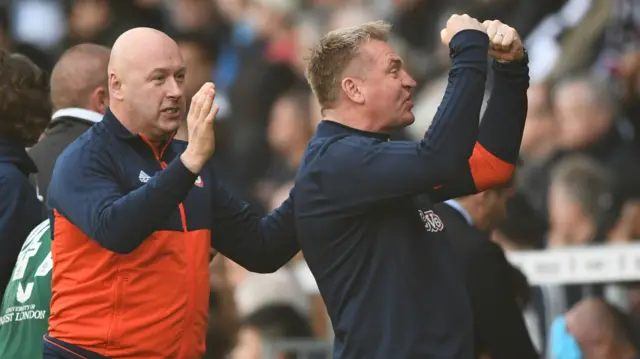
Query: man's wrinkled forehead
[
  {"x": 161, "y": 61},
  {"x": 381, "y": 54}
]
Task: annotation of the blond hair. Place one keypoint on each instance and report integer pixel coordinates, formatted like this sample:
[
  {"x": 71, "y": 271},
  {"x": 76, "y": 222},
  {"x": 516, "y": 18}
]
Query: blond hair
[{"x": 333, "y": 54}]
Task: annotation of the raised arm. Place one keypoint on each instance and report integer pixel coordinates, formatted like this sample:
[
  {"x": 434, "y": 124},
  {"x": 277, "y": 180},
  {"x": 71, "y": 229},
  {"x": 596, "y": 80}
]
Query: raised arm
[
  {"x": 261, "y": 245},
  {"x": 357, "y": 171},
  {"x": 496, "y": 151},
  {"x": 84, "y": 190}
]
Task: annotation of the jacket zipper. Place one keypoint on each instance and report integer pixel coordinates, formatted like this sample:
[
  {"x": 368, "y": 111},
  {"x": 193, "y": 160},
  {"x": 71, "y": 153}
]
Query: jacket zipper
[{"x": 186, "y": 345}]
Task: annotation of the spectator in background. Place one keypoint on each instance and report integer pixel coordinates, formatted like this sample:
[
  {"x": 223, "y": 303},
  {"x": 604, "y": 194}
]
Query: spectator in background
[
  {"x": 271, "y": 322},
  {"x": 586, "y": 112},
  {"x": 539, "y": 143},
  {"x": 492, "y": 282},
  {"x": 540, "y": 130},
  {"x": 288, "y": 133},
  {"x": 199, "y": 54},
  {"x": 583, "y": 209},
  {"x": 102, "y": 21},
  {"x": 583, "y": 204},
  {"x": 264, "y": 70},
  {"x": 592, "y": 329},
  {"x": 80, "y": 96},
  {"x": 24, "y": 113}
]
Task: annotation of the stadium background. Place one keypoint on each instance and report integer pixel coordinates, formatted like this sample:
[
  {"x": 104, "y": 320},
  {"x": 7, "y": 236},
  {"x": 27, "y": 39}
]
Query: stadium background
[{"x": 579, "y": 154}]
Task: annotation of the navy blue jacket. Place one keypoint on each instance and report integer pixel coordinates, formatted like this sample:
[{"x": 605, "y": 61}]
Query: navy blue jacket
[
  {"x": 365, "y": 219},
  {"x": 20, "y": 209}
]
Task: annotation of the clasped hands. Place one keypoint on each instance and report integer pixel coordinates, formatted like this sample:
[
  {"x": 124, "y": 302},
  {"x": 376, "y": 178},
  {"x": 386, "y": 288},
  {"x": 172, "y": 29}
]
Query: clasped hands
[{"x": 505, "y": 44}]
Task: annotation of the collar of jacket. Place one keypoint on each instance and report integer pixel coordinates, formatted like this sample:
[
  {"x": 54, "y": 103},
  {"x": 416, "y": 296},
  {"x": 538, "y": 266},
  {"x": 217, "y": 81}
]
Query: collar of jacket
[
  {"x": 115, "y": 126},
  {"x": 77, "y": 113},
  {"x": 463, "y": 212},
  {"x": 327, "y": 128},
  {"x": 15, "y": 153}
]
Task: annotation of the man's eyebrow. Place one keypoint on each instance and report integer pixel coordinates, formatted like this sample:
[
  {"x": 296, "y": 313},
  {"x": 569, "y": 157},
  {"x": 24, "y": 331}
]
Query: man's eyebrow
[
  {"x": 394, "y": 62},
  {"x": 164, "y": 70}
]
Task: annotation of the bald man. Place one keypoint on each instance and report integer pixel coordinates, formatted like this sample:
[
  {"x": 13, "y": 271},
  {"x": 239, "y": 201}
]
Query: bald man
[
  {"x": 592, "y": 329},
  {"x": 79, "y": 95},
  {"x": 135, "y": 213}
]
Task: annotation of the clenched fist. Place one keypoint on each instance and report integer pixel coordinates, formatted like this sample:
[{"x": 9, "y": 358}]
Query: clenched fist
[
  {"x": 504, "y": 43},
  {"x": 457, "y": 23}
]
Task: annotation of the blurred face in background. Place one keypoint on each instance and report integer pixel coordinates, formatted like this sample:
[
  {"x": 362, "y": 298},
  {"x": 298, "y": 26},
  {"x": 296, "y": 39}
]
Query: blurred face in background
[
  {"x": 289, "y": 128},
  {"x": 268, "y": 20},
  {"x": 199, "y": 65},
  {"x": 581, "y": 121},
  {"x": 88, "y": 17},
  {"x": 232, "y": 10},
  {"x": 569, "y": 225},
  {"x": 191, "y": 15},
  {"x": 541, "y": 128}
]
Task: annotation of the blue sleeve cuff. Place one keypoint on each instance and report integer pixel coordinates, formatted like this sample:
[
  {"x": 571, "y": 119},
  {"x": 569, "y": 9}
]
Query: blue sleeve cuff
[
  {"x": 469, "y": 48},
  {"x": 176, "y": 180}
]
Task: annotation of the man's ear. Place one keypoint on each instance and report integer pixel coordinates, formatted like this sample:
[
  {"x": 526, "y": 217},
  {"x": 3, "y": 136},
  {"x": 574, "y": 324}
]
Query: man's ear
[
  {"x": 115, "y": 87},
  {"x": 352, "y": 87},
  {"x": 99, "y": 100}
]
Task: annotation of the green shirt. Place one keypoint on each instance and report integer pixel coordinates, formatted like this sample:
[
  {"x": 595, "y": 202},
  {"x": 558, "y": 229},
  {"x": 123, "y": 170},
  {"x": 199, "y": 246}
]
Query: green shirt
[{"x": 24, "y": 313}]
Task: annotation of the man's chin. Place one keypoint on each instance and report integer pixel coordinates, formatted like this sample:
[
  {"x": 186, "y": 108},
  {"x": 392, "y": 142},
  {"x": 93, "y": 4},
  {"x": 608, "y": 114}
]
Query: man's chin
[
  {"x": 408, "y": 119},
  {"x": 171, "y": 125}
]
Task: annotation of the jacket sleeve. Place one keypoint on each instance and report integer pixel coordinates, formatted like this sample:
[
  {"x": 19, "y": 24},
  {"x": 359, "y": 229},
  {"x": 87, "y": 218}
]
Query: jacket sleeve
[
  {"x": 496, "y": 152},
  {"x": 85, "y": 190},
  {"x": 358, "y": 171},
  {"x": 501, "y": 330},
  {"x": 261, "y": 245}
]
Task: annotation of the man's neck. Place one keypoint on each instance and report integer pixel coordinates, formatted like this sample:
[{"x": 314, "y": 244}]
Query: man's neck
[
  {"x": 353, "y": 119},
  {"x": 157, "y": 140}
]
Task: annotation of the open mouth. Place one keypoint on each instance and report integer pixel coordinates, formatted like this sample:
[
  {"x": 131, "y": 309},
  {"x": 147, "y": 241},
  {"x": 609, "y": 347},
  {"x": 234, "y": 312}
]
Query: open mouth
[{"x": 172, "y": 110}]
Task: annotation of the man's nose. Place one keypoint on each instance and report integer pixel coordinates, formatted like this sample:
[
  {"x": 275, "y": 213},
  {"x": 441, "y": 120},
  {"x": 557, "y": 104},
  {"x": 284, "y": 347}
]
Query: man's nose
[
  {"x": 409, "y": 82},
  {"x": 175, "y": 89}
]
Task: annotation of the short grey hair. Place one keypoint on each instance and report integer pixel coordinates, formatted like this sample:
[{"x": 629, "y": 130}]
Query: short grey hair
[{"x": 587, "y": 183}]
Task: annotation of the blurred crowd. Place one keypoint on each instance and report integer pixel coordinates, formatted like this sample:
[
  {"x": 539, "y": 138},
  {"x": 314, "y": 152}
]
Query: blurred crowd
[{"x": 578, "y": 182}]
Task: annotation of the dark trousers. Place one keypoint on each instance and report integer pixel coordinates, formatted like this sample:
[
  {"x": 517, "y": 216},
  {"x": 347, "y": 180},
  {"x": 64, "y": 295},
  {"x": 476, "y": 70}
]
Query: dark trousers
[{"x": 57, "y": 349}]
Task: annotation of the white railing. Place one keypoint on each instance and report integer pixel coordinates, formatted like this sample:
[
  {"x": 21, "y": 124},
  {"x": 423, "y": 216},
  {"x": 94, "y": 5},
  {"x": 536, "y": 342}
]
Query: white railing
[{"x": 593, "y": 264}]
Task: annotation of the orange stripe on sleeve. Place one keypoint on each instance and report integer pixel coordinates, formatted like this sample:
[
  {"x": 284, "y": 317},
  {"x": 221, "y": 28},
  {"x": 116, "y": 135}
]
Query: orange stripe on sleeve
[{"x": 488, "y": 170}]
